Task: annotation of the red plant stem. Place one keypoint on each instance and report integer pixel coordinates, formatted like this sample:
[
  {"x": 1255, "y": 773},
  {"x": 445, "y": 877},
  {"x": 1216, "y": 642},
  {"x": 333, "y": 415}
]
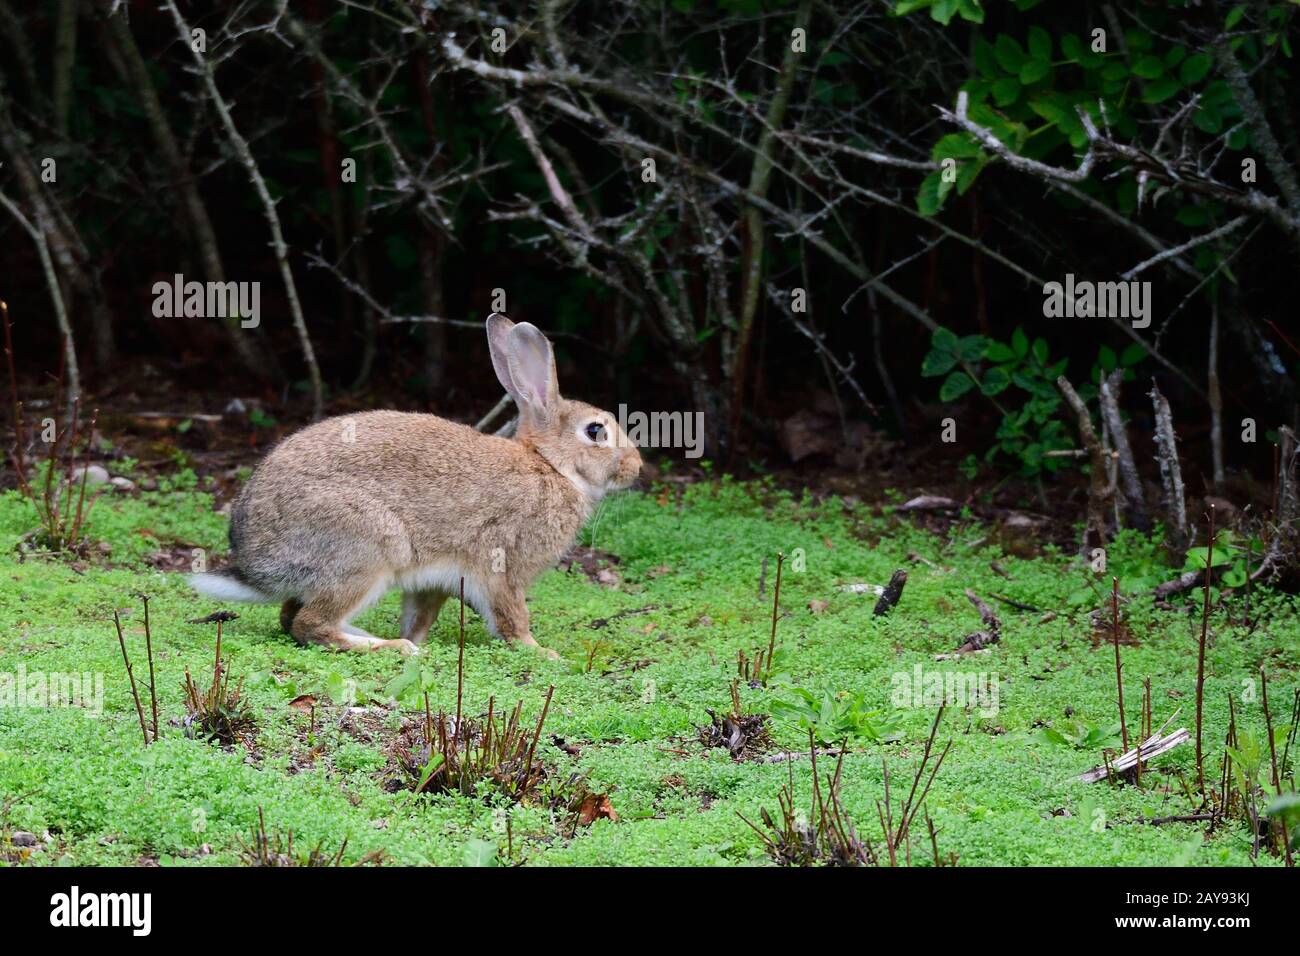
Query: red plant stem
[
  {"x": 546, "y": 706},
  {"x": 148, "y": 644},
  {"x": 1119, "y": 671},
  {"x": 54, "y": 445},
  {"x": 1200, "y": 654},
  {"x": 216, "y": 663},
  {"x": 66, "y": 479},
  {"x": 139, "y": 710},
  {"x": 81, "y": 499},
  {"x": 1272, "y": 752},
  {"x": 460, "y": 656}
]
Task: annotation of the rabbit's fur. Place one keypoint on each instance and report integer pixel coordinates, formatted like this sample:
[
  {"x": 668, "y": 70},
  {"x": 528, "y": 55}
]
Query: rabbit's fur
[{"x": 346, "y": 509}]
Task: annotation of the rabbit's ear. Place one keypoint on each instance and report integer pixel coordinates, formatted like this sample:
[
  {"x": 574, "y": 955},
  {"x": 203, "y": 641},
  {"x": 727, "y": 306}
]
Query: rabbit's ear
[
  {"x": 498, "y": 333},
  {"x": 532, "y": 369}
]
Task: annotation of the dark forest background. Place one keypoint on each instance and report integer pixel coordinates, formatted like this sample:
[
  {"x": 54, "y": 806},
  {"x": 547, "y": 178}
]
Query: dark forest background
[{"x": 504, "y": 146}]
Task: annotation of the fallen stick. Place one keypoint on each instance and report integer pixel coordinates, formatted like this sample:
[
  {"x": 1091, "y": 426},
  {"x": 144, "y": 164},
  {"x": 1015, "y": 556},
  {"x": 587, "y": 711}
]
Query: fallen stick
[
  {"x": 986, "y": 613},
  {"x": 1184, "y": 582},
  {"x": 1184, "y": 818},
  {"x": 981, "y": 639},
  {"x": 1018, "y": 605},
  {"x": 1154, "y": 747},
  {"x": 930, "y": 503},
  {"x": 791, "y": 754},
  {"x": 892, "y": 593}
]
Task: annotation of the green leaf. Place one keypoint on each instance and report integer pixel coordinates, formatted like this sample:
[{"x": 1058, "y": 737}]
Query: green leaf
[
  {"x": 1040, "y": 43},
  {"x": 1072, "y": 48},
  {"x": 955, "y": 386},
  {"x": 944, "y": 339},
  {"x": 996, "y": 379},
  {"x": 971, "y": 347},
  {"x": 1006, "y": 91},
  {"x": 1132, "y": 354},
  {"x": 429, "y": 770},
  {"x": 968, "y": 172},
  {"x": 937, "y": 362},
  {"x": 998, "y": 352},
  {"x": 930, "y": 194},
  {"x": 1287, "y": 804},
  {"x": 1034, "y": 70},
  {"x": 1194, "y": 68},
  {"x": 479, "y": 853},
  {"x": 1161, "y": 90},
  {"x": 986, "y": 61},
  {"x": 1114, "y": 72},
  {"x": 1149, "y": 67},
  {"x": 1009, "y": 53},
  {"x": 1020, "y": 343},
  {"x": 1107, "y": 359},
  {"x": 955, "y": 146},
  {"x": 943, "y": 11}
]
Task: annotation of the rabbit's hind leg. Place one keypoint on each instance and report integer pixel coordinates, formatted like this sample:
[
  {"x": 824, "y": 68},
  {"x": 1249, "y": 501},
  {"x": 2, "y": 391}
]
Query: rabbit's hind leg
[
  {"x": 288, "y": 611},
  {"x": 419, "y": 611},
  {"x": 323, "y": 620}
]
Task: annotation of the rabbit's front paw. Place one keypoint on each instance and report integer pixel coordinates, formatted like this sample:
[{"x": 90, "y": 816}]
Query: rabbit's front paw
[{"x": 402, "y": 646}]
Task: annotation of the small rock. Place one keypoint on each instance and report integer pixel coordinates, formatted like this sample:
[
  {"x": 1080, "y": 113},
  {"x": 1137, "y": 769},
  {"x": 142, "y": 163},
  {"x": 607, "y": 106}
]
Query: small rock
[
  {"x": 235, "y": 407},
  {"x": 122, "y": 484},
  {"x": 95, "y": 475}
]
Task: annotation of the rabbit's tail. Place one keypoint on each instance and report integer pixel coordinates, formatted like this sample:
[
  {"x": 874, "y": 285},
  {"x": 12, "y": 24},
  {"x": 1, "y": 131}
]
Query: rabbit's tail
[{"x": 227, "y": 585}]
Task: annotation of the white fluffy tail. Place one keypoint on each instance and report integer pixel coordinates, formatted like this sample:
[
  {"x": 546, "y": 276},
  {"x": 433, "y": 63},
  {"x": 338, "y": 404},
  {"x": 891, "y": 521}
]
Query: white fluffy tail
[{"x": 226, "y": 587}]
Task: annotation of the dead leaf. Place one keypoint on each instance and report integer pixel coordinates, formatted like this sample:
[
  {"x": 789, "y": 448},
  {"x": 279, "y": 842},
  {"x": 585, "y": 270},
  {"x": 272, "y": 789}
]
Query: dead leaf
[
  {"x": 304, "y": 702},
  {"x": 596, "y": 806},
  {"x": 818, "y": 607}
]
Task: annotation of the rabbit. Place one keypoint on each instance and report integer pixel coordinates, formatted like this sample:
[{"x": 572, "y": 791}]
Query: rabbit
[{"x": 346, "y": 509}]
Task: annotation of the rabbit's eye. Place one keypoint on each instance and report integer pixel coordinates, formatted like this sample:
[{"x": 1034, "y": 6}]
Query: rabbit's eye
[{"x": 596, "y": 432}]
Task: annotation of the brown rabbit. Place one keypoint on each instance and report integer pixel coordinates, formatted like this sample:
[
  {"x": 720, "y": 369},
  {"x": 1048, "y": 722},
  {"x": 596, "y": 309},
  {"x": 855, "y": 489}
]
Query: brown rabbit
[{"x": 344, "y": 510}]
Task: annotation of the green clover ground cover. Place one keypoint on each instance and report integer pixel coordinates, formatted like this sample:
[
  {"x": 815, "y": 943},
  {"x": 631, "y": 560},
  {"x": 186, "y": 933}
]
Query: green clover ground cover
[{"x": 689, "y": 566}]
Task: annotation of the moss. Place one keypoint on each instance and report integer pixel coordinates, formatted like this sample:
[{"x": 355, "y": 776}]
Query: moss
[{"x": 689, "y": 567}]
